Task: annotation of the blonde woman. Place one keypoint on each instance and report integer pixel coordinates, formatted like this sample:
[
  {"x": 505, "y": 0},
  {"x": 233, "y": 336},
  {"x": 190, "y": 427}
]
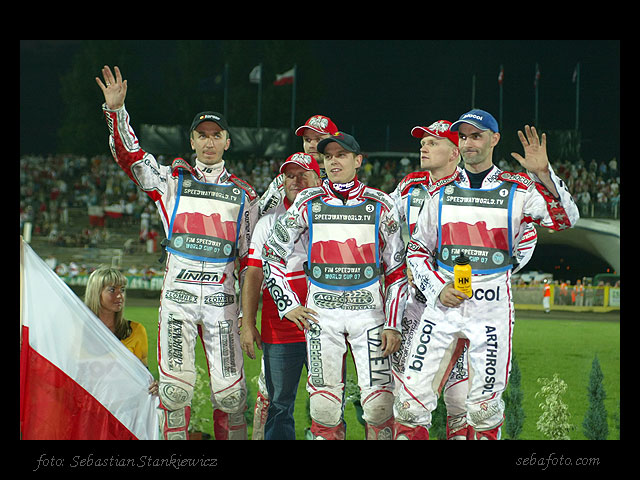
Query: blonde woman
[{"x": 105, "y": 296}]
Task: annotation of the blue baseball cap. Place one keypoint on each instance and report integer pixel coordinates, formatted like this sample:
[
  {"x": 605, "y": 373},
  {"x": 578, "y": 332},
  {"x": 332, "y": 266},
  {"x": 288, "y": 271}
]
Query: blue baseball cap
[{"x": 478, "y": 118}]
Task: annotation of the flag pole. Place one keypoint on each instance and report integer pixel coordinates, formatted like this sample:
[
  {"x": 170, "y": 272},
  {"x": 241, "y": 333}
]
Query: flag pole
[
  {"x": 226, "y": 91},
  {"x": 500, "y": 80},
  {"x": 535, "y": 84},
  {"x": 259, "y": 96},
  {"x": 293, "y": 96},
  {"x": 473, "y": 91},
  {"x": 577, "y": 95},
  {"x": 21, "y": 283}
]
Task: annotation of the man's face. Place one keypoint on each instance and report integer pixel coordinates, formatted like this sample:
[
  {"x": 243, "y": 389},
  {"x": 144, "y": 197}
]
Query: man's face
[
  {"x": 435, "y": 152},
  {"x": 210, "y": 142},
  {"x": 297, "y": 179},
  {"x": 310, "y": 139},
  {"x": 340, "y": 164},
  {"x": 476, "y": 146}
]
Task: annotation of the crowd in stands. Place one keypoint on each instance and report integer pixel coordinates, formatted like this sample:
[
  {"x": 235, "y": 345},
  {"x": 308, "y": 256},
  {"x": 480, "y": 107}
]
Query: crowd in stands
[
  {"x": 53, "y": 185},
  {"x": 595, "y": 186}
]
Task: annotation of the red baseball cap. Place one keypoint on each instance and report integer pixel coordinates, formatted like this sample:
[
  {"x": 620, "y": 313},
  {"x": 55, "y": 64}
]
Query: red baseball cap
[
  {"x": 303, "y": 160},
  {"x": 439, "y": 129},
  {"x": 320, "y": 124}
]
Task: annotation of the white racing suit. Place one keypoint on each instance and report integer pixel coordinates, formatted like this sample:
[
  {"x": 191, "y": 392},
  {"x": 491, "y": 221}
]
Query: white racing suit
[
  {"x": 270, "y": 199},
  {"x": 409, "y": 197},
  {"x": 207, "y": 215},
  {"x": 487, "y": 224},
  {"x": 354, "y": 248},
  {"x": 275, "y": 194}
]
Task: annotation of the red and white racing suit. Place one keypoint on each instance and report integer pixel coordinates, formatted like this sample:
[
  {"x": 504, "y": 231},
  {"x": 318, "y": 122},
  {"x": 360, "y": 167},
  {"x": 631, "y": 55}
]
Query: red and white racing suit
[
  {"x": 487, "y": 224},
  {"x": 409, "y": 196},
  {"x": 354, "y": 246},
  {"x": 208, "y": 216}
]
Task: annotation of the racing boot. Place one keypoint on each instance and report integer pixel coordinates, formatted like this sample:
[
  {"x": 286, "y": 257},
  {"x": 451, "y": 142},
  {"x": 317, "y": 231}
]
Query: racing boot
[
  {"x": 406, "y": 432},
  {"x": 175, "y": 423},
  {"x": 384, "y": 431},
  {"x": 493, "y": 434},
  {"x": 323, "y": 432},
  {"x": 457, "y": 427},
  {"x": 259, "y": 417},
  {"x": 229, "y": 426},
  {"x": 471, "y": 433}
]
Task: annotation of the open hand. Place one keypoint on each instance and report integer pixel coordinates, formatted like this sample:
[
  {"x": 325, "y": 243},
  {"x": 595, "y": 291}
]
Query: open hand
[
  {"x": 535, "y": 157},
  {"x": 113, "y": 88}
]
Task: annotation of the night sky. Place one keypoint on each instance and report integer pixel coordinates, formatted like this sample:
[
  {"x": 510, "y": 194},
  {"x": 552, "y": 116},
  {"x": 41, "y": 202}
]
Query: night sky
[
  {"x": 379, "y": 86},
  {"x": 408, "y": 83}
]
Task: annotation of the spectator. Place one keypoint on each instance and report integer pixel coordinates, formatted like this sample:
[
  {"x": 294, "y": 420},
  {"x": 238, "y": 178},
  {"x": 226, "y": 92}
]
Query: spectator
[
  {"x": 613, "y": 167},
  {"x": 546, "y": 297},
  {"x": 105, "y": 296}
]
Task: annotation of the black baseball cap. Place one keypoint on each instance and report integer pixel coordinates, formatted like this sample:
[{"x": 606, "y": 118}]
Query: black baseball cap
[
  {"x": 209, "y": 117},
  {"x": 343, "y": 139}
]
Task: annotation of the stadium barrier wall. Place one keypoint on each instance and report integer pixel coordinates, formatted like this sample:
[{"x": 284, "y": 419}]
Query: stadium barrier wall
[
  {"x": 589, "y": 299},
  {"x": 528, "y": 297}
]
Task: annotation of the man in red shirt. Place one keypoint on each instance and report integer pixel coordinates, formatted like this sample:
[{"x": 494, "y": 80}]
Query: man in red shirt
[{"x": 283, "y": 344}]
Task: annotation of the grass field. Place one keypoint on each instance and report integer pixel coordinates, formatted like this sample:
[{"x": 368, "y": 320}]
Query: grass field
[{"x": 561, "y": 342}]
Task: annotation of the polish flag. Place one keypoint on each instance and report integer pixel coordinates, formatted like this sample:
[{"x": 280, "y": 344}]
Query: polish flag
[
  {"x": 77, "y": 380},
  {"x": 114, "y": 211},
  {"x": 285, "y": 78},
  {"x": 96, "y": 216}
]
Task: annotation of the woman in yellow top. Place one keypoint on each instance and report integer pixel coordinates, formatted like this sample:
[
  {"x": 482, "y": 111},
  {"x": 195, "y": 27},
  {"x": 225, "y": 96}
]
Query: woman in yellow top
[{"x": 105, "y": 296}]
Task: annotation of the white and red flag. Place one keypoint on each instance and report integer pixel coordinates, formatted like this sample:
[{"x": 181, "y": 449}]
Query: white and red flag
[
  {"x": 285, "y": 78},
  {"x": 96, "y": 216},
  {"x": 114, "y": 211},
  {"x": 77, "y": 380}
]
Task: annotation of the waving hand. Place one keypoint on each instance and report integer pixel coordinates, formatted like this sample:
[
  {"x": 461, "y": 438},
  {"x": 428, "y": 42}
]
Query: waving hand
[
  {"x": 113, "y": 88},
  {"x": 535, "y": 157}
]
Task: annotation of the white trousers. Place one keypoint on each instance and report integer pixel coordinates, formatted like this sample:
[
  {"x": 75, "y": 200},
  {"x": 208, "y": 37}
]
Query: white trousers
[{"x": 487, "y": 321}]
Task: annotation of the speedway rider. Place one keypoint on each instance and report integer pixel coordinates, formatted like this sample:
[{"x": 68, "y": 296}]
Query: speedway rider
[
  {"x": 439, "y": 158},
  {"x": 483, "y": 212},
  {"x": 208, "y": 216},
  {"x": 354, "y": 247}
]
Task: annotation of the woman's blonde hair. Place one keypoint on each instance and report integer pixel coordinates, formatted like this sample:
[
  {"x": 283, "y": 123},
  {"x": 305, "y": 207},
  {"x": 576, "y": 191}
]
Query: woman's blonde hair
[{"x": 103, "y": 277}]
